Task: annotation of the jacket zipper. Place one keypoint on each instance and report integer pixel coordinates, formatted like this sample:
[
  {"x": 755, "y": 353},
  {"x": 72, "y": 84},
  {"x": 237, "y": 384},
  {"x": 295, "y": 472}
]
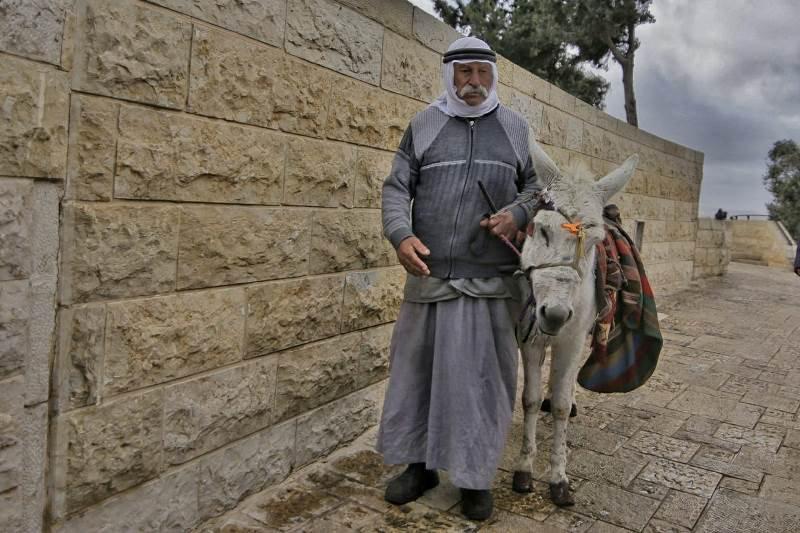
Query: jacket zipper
[{"x": 461, "y": 198}]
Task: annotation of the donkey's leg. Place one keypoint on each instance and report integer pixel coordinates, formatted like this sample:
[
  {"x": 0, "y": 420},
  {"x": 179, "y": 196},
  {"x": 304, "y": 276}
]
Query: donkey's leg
[
  {"x": 565, "y": 363},
  {"x": 532, "y": 359}
]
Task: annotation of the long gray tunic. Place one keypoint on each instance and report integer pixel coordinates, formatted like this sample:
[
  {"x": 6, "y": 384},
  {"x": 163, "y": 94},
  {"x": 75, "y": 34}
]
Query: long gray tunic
[{"x": 453, "y": 375}]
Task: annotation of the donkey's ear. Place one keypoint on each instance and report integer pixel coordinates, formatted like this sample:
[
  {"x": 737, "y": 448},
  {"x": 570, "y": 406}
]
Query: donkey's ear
[
  {"x": 611, "y": 184},
  {"x": 546, "y": 170}
]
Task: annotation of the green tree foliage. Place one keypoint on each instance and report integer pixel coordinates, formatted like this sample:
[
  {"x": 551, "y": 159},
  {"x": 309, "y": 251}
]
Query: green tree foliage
[
  {"x": 534, "y": 34},
  {"x": 607, "y": 28},
  {"x": 554, "y": 38},
  {"x": 783, "y": 181}
]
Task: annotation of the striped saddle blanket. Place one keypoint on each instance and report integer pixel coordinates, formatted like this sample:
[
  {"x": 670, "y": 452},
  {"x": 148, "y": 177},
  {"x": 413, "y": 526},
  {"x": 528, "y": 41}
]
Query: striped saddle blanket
[{"x": 626, "y": 340}]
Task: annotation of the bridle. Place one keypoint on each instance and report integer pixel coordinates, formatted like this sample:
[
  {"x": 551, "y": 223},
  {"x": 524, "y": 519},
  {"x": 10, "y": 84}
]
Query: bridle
[{"x": 577, "y": 228}]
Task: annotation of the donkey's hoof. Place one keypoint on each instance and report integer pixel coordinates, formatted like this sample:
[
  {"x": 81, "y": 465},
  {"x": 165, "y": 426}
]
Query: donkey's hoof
[
  {"x": 560, "y": 494},
  {"x": 523, "y": 482}
]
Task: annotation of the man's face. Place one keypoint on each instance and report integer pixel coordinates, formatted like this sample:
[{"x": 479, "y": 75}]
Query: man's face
[{"x": 473, "y": 81}]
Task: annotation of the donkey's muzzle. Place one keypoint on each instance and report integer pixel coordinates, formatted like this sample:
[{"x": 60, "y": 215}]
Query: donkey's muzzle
[{"x": 553, "y": 317}]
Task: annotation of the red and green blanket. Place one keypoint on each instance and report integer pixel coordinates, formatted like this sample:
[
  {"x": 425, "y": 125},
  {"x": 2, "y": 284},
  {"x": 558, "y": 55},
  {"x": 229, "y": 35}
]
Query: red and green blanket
[{"x": 626, "y": 340}]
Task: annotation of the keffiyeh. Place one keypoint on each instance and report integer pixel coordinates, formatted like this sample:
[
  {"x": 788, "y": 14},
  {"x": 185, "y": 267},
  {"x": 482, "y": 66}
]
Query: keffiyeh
[{"x": 466, "y": 50}]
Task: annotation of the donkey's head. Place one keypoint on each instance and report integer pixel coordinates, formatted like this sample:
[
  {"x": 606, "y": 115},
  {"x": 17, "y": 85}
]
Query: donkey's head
[{"x": 558, "y": 254}]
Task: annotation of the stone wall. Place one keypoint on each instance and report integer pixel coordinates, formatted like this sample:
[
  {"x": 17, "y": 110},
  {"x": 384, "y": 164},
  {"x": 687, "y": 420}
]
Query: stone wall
[
  {"x": 712, "y": 252},
  {"x": 34, "y": 108},
  {"x": 209, "y": 173},
  {"x": 762, "y": 241}
]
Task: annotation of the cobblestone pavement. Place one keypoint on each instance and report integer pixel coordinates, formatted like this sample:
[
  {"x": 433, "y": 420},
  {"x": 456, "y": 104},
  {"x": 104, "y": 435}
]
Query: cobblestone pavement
[{"x": 710, "y": 444}]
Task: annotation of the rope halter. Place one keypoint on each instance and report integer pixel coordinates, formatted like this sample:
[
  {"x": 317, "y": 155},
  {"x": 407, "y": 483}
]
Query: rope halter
[{"x": 577, "y": 229}]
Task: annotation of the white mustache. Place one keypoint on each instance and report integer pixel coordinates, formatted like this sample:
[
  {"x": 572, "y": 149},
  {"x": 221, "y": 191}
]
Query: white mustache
[{"x": 468, "y": 89}]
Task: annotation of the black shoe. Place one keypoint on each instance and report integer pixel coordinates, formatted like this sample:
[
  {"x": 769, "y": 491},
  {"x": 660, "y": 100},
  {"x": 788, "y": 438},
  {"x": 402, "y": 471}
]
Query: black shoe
[
  {"x": 573, "y": 412},
  {"x": 476, "y": 504},
  {"x": 411, "y": 484}
]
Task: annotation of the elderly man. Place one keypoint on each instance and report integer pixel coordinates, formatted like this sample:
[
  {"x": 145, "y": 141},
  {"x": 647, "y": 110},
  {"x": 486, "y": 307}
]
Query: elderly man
[{"x": 453, "y": 361}]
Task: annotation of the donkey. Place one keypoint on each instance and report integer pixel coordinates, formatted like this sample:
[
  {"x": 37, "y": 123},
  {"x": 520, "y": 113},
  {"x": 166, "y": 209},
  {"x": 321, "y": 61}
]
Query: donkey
[{"x": 558, "y": 260}]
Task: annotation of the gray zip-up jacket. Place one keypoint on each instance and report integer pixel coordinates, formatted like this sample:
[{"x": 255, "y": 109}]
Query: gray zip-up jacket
[{"x": 432, "y": 191}]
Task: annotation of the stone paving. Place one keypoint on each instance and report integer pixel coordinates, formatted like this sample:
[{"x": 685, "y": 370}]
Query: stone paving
[{"x": 710, "y": 444}]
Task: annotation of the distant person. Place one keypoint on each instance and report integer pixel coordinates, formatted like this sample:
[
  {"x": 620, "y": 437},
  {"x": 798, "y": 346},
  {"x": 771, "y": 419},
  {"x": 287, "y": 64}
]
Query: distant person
[
  {"x": 797, "y": 260},
  {"x": 720, "y": 214}
]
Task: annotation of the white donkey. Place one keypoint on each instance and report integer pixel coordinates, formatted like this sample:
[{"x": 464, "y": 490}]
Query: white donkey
[{"x": 558, "y": 259}]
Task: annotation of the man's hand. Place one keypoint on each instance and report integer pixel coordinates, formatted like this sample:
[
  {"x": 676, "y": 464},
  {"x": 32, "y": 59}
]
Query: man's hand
[
  {"x": 408, "y": 253},
  {"x": 797, "y": 271},
  {"x": 501, "y": 224}
]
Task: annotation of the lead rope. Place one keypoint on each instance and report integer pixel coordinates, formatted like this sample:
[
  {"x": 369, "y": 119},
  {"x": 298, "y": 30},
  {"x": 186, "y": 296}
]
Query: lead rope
[{"x": 522, "y": 314}]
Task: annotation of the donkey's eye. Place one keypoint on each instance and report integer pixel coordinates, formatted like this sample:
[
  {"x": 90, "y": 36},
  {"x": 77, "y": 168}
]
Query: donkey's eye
[{"x": 544, "y": 234}]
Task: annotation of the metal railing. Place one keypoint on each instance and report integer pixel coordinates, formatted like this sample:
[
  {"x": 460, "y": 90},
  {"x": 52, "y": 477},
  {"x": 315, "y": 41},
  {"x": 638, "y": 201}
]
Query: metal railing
[{"x": 747, "y": 216}]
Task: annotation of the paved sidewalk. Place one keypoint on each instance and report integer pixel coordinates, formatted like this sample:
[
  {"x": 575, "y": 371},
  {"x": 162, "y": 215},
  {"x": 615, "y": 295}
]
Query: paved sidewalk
[{"x": 710, "y": 444}]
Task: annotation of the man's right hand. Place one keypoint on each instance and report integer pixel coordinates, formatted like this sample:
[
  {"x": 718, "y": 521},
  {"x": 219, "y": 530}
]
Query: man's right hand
[{"x": 409, "y": 253}]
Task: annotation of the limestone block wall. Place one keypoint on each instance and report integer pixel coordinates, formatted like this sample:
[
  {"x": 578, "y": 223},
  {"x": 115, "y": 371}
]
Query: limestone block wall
[
  {"x": 763, "y": 241},
  {"x": 34, "y": 109},
  {"x": 202, "y": 181},
  {"x": 713, "y": 249}
]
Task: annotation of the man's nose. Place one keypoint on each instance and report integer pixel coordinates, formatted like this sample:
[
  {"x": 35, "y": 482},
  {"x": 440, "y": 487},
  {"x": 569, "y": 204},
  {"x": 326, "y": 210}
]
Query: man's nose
[{"x": 474, "y": 79}]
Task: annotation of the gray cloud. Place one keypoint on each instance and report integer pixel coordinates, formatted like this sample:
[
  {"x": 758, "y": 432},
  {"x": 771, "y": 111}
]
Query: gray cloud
[{"x": 722, "y": 77}]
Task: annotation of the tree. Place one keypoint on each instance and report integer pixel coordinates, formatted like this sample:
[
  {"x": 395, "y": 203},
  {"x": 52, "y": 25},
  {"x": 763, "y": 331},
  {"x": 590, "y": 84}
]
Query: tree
[
  {"x": 486, "y": 19},
  {"x": 607, "y": 28},
  {"x": 783, "y": 181},
  {"x": 535, "y": 34}
]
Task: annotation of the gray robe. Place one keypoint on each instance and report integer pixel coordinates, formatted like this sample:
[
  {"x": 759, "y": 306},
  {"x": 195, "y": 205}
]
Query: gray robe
[{"x": 453, "y": 375}]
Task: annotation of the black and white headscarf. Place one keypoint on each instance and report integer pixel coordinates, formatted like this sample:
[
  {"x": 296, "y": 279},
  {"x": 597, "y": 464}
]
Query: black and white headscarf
[{"x": 466, "y": 50}]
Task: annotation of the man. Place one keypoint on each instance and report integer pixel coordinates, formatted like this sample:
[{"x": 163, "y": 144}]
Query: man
[
  {"x": 453, "y": 362},
  {"x": 797, "y": 260}
]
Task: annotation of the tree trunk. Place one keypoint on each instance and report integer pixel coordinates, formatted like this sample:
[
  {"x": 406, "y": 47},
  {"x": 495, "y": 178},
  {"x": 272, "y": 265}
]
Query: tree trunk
[
  {"x": 627, "y": 78},
  {"x": 630, "y": 99},
  {"x": 625, "y": 61}
]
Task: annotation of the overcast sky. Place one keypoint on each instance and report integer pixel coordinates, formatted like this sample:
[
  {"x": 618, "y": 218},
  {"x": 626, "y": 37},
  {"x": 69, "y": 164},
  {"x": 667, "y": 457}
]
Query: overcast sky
[{"x": 720, "y": 76}]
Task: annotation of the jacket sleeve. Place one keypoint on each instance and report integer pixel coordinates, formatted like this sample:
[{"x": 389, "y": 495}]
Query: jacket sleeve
[
  {"x": 527, "y": 185},
  {"x": 797, "y": 257},
  {"x": 398, "y": 191}
]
